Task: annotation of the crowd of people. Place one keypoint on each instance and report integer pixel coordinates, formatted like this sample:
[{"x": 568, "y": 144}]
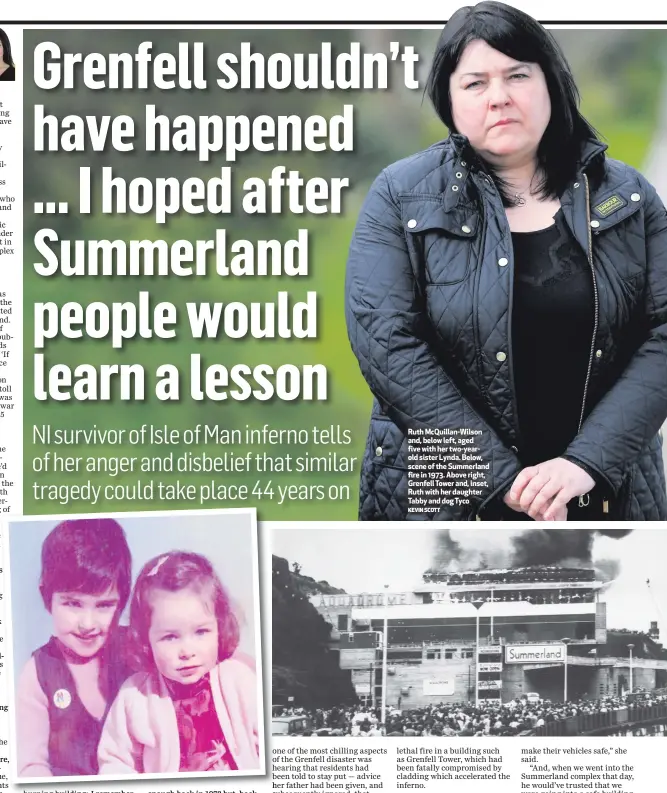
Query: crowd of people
[{"x": 518, "y": 717}]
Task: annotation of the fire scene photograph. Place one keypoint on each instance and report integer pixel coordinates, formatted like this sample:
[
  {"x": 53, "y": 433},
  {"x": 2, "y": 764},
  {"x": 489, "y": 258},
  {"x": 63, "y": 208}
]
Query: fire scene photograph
[{"x": 508, "y": 632}]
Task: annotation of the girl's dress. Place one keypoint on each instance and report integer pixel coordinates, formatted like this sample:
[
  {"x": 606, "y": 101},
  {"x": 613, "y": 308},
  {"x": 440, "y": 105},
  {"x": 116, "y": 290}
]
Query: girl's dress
[
  {"x": 155, "y": 726},
  {"x": 202, "y": 742}
]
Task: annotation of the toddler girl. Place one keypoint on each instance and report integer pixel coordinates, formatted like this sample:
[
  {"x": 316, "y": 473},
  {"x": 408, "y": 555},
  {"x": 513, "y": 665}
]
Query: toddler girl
[
  {"x": 193, "y": 707},
  {"x": 65, "y": 689}
]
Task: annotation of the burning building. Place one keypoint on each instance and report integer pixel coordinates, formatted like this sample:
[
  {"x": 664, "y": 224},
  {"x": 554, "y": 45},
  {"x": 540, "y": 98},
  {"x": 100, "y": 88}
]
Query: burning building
[{"x": 493, "y": 633}]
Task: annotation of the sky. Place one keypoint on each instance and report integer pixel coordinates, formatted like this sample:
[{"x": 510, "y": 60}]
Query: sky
[{"x": 365, "y": 559}]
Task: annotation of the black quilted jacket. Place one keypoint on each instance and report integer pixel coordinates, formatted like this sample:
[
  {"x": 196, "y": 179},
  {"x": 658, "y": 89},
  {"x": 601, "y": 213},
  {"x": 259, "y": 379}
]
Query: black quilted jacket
[{"x": 428, "y": 306}]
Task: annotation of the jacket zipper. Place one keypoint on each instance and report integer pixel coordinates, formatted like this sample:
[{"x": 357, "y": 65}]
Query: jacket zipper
[
  {"x": 585, "y": 499},
  {"x": 509, "y": 349},
  {"x": 515, "y": 412}
]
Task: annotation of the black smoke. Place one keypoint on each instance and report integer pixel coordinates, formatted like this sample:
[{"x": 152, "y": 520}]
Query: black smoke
[
  {"x": 452, "y": 556},
  {"x": 562, "y": 547},
  {"x": 554, "y": 546},
  {"x": 447, "y": 551}
]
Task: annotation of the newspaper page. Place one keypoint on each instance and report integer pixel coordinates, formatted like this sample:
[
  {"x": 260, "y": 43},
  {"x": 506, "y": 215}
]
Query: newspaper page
[{"x": 270, "y": 293}]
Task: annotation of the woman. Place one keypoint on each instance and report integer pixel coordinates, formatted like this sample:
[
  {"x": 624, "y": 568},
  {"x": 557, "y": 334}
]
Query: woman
[
  {"x": 511, "y": 281},
  {"x": 7, "y": 71}
]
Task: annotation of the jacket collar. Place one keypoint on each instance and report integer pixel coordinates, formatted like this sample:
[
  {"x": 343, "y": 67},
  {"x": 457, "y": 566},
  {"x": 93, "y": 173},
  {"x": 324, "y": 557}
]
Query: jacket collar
[
  {"x": 591, "y": 148},
  {"x": 452, "y": 203}
]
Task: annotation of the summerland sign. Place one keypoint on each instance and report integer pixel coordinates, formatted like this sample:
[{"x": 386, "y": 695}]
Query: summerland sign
[{"x": 535, "y": 653}]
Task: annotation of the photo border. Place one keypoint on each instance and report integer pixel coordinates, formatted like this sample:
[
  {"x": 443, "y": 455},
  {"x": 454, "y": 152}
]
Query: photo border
[{"x": 10, "y": 671}]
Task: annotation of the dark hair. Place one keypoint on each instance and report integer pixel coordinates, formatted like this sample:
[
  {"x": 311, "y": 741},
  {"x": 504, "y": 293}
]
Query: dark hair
[
  {"x": 89, "y": 555},
  {"x": 173, "y": 572},
  {"x": 6, "y": 48},
  {"x": 520, "y": 37}
]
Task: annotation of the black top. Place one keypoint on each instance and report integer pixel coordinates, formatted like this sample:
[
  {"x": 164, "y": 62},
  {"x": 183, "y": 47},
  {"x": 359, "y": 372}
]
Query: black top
[
  {"x": 552, "y": 327},
  {"x": 73, "y": 732},
  {"x": 8, "y": 74},
  {"x": 552, "y": 324}
]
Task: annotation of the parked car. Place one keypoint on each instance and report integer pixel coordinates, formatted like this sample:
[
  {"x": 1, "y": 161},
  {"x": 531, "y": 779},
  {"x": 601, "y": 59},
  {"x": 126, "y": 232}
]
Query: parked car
[
  {"x": 291, "y": 725},
  {"x": 532, "y": 698}
]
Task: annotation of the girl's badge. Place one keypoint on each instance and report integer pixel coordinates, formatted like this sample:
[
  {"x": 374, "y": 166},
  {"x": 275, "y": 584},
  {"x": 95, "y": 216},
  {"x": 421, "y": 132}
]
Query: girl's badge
[{"x": 62, "y": 698}]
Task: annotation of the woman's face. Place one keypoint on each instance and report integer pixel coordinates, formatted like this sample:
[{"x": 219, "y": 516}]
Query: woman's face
[{"x": 501, "y": 105}]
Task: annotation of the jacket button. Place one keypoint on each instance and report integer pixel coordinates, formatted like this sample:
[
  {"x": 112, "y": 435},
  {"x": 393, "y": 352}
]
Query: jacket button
[
  {"x": 514, "y": 449},
  {"x": 598, "y": 353},
  {"x": 595, "y": 224},
  {"x": 576, "y": 184},
  {"x": 459, "y": 175},
  {"x": 501, "y": 356},
  {"x": 503, "y": 262},
  {"x": 378, "y": 451},
  {"x": 412, "y": 223},
  {"x": 635, "y": 197},
  {"x": 465, "y": 229}
]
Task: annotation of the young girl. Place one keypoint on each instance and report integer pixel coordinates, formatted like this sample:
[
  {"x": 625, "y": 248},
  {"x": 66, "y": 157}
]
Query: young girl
[
  {"x": 65, "y": 689},
  {"x": 193, "y": 707}
]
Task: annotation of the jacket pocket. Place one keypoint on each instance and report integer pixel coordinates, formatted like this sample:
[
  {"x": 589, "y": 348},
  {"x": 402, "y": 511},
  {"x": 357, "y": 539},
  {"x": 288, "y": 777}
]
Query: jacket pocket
[
  {"x": 383, "y": 490},
  {"x": 386, "y": 447},
  {"x": 623, "y": 501},
  {"x": 446, "y": 261},
  {"x": 441, "y": 240}
]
